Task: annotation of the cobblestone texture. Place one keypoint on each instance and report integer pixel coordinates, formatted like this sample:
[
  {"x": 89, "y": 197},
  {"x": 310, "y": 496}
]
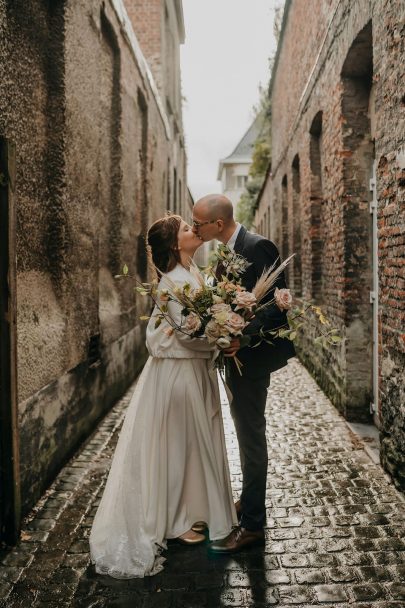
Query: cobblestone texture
[{"x": 335, "y": 526}]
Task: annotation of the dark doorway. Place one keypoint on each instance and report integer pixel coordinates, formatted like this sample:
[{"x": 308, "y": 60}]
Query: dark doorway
[
  {"x": 357, "y": 78},
  {"x": 284, "y": 219},
  {"x": 142, "y": 260},
  {"x": 316, "y": 201},
  {"x": 9, "y": 462},
  {"x": 296, "y": 210}
]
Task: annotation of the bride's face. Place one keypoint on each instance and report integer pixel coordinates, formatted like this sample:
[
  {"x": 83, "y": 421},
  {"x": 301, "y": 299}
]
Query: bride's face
[{"x": 187, "y": 241}]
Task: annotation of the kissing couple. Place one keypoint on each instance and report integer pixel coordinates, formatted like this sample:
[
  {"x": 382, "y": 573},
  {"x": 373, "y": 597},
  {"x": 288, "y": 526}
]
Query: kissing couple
[{"x": 169, "y": 477}]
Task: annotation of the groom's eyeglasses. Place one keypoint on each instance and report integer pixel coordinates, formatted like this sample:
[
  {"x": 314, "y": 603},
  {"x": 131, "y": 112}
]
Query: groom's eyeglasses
[{"x": 199, "y": 224}]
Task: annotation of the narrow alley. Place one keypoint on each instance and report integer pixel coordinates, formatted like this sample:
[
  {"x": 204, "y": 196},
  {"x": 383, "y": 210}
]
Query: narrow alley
[
  {"x": 334, "y": 535},
  {"x": 115, "y": 114}
]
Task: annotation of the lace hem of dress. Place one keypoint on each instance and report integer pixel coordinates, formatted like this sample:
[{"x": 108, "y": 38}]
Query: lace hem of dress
[{"x": 139, "y": 570}]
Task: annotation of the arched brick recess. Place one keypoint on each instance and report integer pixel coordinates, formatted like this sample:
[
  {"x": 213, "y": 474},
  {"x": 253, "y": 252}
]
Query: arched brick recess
[
  {"x": 358, "y": 155},
  {"x": 316, "y": 200},
  {"x": 296, "y": 210},
  {"x": 284, "y": 218}
]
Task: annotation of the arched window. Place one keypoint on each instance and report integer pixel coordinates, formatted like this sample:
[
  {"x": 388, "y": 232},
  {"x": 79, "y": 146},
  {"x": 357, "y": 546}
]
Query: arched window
[
  {"x": 284, "y": 218},
  {"x": 296, "y": 210},
  {"x": 316, "y": 199}
]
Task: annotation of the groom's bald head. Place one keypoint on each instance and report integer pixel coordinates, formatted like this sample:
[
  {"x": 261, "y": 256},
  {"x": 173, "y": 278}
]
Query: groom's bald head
[
  {"x": 216, "y": 206},
  {"x": 213, "y": 218}
]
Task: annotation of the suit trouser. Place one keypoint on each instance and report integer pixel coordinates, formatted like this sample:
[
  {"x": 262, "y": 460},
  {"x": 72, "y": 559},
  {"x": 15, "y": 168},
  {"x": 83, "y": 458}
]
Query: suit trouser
[{"x": 248, "y": 413}]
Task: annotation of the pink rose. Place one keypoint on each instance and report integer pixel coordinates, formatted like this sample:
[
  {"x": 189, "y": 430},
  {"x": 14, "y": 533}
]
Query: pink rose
[
  {"x": 192, "y": 323},
  {"x": 235, "y": 323},
  {"x": 283, "y": 298},
  {"x": 245, "y": 299}
]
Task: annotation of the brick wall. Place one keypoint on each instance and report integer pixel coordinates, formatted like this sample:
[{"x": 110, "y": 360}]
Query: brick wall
[
  {"x": 338, "y": 106},
  {"x": 147, "y": 18}
]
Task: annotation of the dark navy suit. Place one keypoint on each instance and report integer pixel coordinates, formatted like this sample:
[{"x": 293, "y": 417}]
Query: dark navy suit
[{"x": 250, "y": 390}]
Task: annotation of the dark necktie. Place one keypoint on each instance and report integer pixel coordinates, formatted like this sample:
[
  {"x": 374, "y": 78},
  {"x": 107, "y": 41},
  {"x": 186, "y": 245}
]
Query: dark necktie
[{"x": 220, "y": 271}]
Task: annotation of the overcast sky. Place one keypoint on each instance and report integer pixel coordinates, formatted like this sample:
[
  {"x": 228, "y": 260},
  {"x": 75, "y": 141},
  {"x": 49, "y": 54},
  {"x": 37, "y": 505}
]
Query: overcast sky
[{"x": 225, "y": 57}]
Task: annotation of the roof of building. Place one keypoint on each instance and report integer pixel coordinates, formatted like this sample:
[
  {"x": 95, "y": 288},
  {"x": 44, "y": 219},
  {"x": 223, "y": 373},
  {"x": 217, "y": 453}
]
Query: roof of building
[
  {"x": 244, "y": 149},
  {"x": 180, "y": 20},
  {"x": 286, "y": 11}
]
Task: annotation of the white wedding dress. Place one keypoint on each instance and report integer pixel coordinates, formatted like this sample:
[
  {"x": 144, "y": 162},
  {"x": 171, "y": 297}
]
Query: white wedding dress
[{"x": 170, "y": 467}]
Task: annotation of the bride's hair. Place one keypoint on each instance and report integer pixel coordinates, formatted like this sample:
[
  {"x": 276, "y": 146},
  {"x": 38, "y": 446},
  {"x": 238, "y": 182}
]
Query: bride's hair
[{"x": 162, "y": 243}]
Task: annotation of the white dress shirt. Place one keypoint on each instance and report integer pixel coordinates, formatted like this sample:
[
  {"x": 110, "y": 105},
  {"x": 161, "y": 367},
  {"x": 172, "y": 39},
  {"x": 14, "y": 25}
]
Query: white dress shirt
[{"x": 232, "y": 240}]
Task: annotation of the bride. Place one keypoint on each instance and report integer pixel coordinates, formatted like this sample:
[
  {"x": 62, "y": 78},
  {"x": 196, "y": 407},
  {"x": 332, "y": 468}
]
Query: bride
[{"x": 169, "y": 469}]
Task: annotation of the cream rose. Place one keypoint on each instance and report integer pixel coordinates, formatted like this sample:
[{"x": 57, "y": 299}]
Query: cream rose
[
  {"x": 221, "y": 313},
  {"x": 217, "y": 299},
  {"x": 220, "y": 307},
  {"x": 283, "y": 298},
  {"x": 244, "y": 299},
  {"x": 213, "y": 331}
]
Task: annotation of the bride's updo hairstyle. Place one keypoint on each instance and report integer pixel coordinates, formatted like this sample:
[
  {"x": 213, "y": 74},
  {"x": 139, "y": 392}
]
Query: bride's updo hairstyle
[{"x": 162, "y": 241}]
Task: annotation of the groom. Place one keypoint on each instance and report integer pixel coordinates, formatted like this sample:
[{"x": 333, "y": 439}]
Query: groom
[{"x": 213, "y": 219}]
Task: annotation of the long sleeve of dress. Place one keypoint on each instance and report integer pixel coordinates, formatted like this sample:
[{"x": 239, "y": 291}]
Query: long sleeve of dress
[{"x": 164, "y": 343}]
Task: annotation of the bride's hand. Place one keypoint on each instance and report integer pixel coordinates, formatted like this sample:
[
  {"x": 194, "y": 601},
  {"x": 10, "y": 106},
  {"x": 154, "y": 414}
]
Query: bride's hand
[{"x": 232, "y": 348}]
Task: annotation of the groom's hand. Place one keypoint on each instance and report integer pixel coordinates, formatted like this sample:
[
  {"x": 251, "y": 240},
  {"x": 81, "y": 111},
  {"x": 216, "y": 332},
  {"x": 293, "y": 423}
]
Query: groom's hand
[{"x": 233, "y": 348}]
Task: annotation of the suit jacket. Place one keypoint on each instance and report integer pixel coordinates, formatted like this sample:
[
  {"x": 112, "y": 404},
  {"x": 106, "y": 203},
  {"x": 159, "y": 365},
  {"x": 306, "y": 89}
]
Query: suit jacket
[{"x": 262, "y": 254}]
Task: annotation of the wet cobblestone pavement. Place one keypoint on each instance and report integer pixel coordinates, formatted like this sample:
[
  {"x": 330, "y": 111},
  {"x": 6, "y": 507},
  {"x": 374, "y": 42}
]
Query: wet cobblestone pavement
[{"x": 335, "y": 532}]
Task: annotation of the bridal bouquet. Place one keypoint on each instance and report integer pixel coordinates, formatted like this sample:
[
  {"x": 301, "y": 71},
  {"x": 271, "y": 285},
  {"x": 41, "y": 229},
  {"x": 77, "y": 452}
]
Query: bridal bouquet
[{"x": 220, "y": 308}]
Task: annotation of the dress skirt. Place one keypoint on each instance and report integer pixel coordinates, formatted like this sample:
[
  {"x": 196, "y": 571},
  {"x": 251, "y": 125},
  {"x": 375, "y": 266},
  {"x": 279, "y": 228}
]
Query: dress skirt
[{"x": 169, "y": 469}]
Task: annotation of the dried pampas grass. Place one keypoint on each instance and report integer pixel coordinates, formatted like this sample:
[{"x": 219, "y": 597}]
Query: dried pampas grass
[{"x": 268, "y": 278}]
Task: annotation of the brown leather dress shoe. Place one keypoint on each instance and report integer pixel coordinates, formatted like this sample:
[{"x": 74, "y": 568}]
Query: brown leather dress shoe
[
  {"x": 190, "y": 538},
  {"x": 237, "y": 540},
  {"x": 199, "y": 526}
]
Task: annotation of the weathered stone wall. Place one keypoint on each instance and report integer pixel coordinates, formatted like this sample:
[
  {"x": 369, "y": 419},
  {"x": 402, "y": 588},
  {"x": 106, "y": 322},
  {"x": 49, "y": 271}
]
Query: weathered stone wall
[
  {"x": 338, "y": 106},
  {"x": 93, "y": 141},
  {"x": 159, "y": 27}
]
